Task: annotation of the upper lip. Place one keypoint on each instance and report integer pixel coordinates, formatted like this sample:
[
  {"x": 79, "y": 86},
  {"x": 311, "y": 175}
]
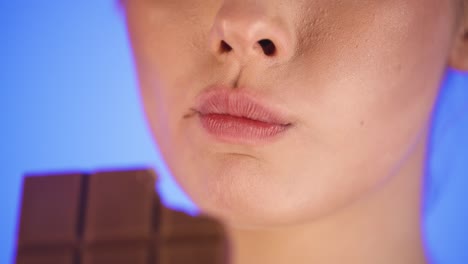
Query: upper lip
[{"x": 240, "y": 103}]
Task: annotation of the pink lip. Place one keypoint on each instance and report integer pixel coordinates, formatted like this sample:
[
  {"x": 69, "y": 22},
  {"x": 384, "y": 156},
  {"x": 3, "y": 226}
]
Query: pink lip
[{"x": 238, "y": 117}]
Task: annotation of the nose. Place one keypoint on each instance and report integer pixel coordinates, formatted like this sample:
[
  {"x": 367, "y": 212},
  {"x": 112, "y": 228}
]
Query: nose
[{"x": 248, "y": 30}]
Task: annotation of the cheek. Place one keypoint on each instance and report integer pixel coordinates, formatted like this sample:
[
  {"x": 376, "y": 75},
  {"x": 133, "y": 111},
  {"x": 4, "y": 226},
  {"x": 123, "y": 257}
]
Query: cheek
[
  {"x": 378, "y": 74},
  {"x": 162, "y": 43}
]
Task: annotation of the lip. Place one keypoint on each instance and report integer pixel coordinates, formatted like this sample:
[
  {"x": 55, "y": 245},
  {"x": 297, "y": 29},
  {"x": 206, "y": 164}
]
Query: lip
[{"x": 238, "y": 116}]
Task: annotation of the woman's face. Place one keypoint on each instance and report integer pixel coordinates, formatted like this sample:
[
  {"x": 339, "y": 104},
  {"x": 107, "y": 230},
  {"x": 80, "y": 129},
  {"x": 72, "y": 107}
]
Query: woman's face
[{"x": 357, "y": 80}]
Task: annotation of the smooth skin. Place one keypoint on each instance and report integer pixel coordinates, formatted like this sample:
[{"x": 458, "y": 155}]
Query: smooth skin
[{"x": 358, "y": 80}]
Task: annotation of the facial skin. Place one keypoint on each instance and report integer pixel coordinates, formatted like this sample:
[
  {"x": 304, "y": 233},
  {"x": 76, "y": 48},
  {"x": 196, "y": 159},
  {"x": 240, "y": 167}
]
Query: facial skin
[{"x": 358, "y": 79}]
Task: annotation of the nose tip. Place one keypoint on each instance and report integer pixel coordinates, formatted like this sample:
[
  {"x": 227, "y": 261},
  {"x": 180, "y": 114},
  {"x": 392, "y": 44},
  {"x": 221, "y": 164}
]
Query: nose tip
[{"x": 246, "y": 32}]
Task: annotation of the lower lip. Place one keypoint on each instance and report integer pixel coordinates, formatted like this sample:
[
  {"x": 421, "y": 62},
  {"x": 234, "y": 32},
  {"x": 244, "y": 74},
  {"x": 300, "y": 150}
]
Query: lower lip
[{"x": 240, "y": 130}]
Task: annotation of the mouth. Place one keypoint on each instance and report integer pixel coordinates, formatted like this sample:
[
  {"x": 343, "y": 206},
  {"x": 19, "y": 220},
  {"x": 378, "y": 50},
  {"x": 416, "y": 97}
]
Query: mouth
[{"x": 238, "y": 117}]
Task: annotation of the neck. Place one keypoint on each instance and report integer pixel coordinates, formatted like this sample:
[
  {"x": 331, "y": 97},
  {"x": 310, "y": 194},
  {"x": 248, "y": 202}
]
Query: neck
[{"x": 382, "y": 227}]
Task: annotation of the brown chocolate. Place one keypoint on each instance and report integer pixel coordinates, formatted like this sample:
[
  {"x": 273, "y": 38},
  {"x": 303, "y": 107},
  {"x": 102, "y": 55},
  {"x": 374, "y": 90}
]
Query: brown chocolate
[
  {"x": 46, "y": 256},
  {"x": 50, "y": 210},
  {"x": 187, "y": 239},
  {"x": 135, "y": 254},
  {"x": 192, "y": 251},
  {"x": 179, "y": 225},
  {"x": 120, "y": 206},
  {"x": 110, "y": 217}
]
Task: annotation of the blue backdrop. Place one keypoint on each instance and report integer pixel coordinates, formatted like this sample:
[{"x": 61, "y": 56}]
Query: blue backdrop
[{"x": 68, "y": 102}]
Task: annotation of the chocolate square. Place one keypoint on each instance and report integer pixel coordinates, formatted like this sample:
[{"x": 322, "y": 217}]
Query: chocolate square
[
  {"x": 121, "y": 206},
  {"x": 50, "y": 210}
]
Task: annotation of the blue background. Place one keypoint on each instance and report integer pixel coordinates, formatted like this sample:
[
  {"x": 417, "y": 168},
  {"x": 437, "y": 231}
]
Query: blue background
[{"x": 68, "y": 102}]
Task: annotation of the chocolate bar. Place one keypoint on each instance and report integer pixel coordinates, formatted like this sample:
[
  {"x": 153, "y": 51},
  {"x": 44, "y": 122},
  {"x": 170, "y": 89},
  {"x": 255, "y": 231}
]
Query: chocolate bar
[{"x": 110, "y": 216}]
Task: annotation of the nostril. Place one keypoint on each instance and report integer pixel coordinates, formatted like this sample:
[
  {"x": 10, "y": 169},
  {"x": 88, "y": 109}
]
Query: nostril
[
  {"x": 225, "y": 47},
  {"x": 267, "y": 46}
]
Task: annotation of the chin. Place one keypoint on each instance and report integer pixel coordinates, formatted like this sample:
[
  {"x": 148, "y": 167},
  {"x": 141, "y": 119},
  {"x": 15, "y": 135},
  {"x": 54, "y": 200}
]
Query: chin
[
  {"x": 250, "y": 206},
  {"x": 258, "y": 216}
]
